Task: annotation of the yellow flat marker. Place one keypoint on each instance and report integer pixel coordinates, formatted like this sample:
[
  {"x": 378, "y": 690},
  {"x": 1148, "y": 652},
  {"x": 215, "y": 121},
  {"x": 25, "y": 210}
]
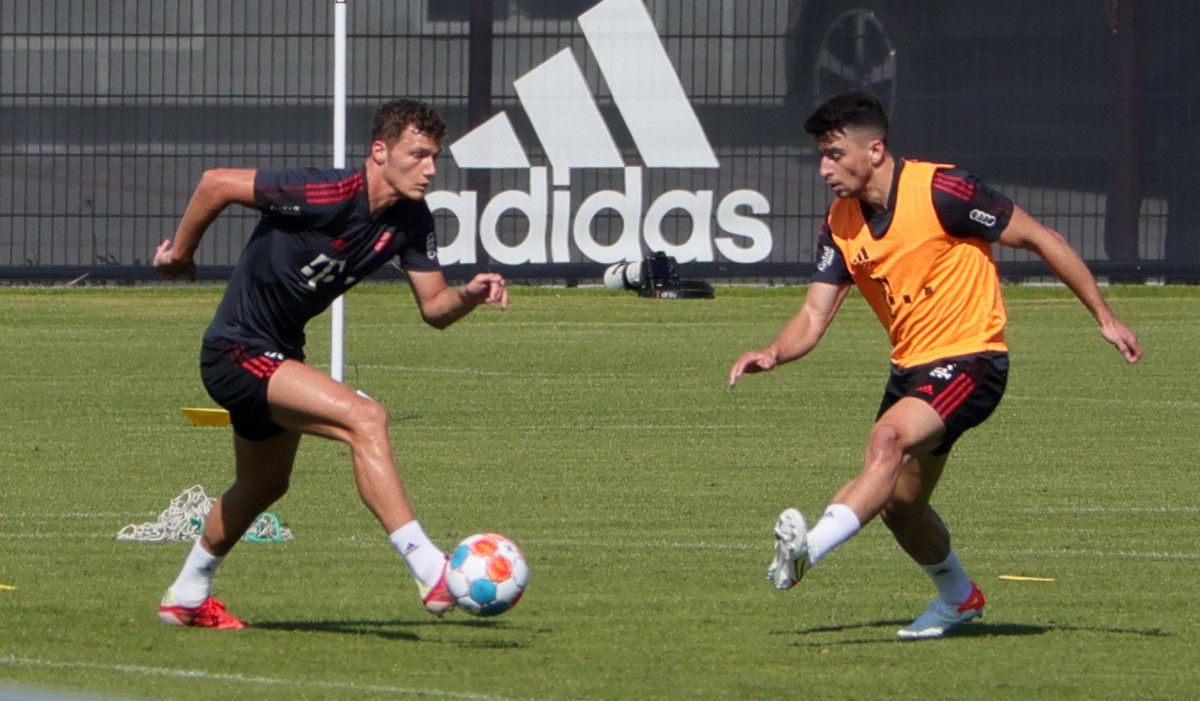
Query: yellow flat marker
[
  {"x": 1024, "y": 578},
  {"x": 206, "y": 417},
  {"x": 7, "y": 587}
]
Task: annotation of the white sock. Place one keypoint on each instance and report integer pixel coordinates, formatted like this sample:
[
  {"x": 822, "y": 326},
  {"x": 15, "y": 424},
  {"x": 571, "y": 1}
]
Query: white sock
[
  {"x": 953, "y": 584},
  {"x": 838, "y": 525},
  {"x": 194, "y": 583},
  {"x": 423, "y": 558}
]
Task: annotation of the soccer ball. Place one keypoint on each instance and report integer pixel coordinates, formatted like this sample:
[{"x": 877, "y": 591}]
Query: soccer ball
[{"x": 488, "y": 574}]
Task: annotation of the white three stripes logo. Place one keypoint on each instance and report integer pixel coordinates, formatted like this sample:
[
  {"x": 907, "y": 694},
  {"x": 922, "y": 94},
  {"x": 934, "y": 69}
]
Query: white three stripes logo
[{"x": 563, "y": 112}]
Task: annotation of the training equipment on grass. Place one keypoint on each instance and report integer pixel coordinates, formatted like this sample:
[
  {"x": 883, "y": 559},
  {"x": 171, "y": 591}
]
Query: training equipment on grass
[
  {"x": 7, "y": 587},
  {"x": 200, "y": 416},
  {"x": 183, "y": 521},
  {"x": 1024, "y": 578},
  {"x": 487, "y": 575},
  {"x": 656, "y": 276}
]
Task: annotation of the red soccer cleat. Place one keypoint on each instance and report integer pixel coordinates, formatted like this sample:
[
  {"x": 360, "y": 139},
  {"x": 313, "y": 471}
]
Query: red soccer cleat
[
  {"x": 437, "y": 599},
  {"x": 209, "y": 614}
]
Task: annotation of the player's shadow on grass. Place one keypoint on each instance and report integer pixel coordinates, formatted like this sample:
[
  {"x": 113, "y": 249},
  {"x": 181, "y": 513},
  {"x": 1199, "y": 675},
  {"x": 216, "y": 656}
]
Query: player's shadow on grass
[
  {"x": 974, "y": 629},
  {"x": 397, "y": 629}
]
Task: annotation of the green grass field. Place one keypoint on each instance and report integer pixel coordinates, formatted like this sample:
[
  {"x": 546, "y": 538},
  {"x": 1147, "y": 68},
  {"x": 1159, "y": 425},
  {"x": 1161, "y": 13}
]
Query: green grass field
[{"x": 595, "y": 428}]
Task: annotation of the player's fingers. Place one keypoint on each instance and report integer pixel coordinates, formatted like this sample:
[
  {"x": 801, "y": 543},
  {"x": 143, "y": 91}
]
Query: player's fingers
[
  {"x": 1131, "y": 349},
  {"x": 736, "y": 371}
]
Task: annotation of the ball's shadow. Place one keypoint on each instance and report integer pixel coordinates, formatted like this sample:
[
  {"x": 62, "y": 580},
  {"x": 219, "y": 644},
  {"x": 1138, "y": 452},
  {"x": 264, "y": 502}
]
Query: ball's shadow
[{"x": 396, "y": 629}]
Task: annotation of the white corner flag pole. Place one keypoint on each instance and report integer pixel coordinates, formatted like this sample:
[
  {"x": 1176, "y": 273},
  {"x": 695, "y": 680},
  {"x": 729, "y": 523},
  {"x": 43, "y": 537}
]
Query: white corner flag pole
[{"x": 338, "y": 322}]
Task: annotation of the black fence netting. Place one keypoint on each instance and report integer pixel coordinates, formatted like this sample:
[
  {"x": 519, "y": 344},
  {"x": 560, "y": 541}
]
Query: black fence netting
[{"x": 583, "y": 133}]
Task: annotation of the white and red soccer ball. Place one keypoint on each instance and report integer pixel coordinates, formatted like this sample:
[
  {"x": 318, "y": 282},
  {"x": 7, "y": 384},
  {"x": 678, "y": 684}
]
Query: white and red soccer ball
[{"x": 487, "y": 575}]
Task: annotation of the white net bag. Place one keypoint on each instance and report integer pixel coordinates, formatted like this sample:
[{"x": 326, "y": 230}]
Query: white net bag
[{"x": 183, "y": 521}]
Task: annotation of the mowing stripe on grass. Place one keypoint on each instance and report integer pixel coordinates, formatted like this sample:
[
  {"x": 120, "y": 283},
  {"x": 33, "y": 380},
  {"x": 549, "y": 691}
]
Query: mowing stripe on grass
[
  {"x": 1112, "y": 510},
  {"x": 143, "y": 671},
  {"x": 532, "y": 543}
]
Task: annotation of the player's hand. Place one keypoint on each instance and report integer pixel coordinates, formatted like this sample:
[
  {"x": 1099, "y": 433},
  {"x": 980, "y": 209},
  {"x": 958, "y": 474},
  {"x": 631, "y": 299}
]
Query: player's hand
[
  {"x": 488, "y": 288},
  {"x": 169, "y": 265},
  {"x": 1123, "y": 338},
  {"x": 752, "y": 361}
]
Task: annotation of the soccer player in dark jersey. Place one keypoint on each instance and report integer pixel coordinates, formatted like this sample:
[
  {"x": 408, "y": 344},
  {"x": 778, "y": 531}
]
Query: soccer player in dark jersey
[
  {"x": 916, "y": 239},
  {"x": 321, "y": 232}
]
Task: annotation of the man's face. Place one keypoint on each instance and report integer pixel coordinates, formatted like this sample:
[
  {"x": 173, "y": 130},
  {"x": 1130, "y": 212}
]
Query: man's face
[
  {"x": 408, "y": 166},
  {"x": 848, "y": 159}
]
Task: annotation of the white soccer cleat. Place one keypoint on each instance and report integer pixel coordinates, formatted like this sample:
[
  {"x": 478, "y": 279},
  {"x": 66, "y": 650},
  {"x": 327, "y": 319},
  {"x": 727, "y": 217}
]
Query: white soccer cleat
[
  {"x": 940, "y": 617},
  {"x": 791, "y": 550}
]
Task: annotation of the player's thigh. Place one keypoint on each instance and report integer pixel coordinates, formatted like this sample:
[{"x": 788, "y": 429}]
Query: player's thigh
[{"x": 304, "y": 399}]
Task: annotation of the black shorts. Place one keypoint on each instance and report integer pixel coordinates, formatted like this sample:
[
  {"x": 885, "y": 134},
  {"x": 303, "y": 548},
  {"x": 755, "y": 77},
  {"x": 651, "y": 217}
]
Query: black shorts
[
  {"x": 236, "y": 377},
  {"x": 963, "y": 390}
]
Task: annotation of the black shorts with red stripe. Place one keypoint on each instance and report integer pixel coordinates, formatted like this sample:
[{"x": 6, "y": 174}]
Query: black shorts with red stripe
[
  {"x": 963, "y": 390},
  {"x": 236, "y": 377}
]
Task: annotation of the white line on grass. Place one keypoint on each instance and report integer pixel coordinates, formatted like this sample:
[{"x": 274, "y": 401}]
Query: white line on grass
[
  {"x": 661, "y": 544},
  {"x": 658, "y": 545},
  {"x": 1122, "y": 401},
  {"x": 77, "y": 515},
  {"x": 1112, "y": 510},
  {"x": 1063, "y": 552},
  {"x": 55, "y": 536},
  {"x": 143, "y": 671}
]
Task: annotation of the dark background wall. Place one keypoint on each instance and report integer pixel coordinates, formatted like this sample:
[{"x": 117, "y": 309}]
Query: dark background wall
[{"x": 1084, "y": 111}]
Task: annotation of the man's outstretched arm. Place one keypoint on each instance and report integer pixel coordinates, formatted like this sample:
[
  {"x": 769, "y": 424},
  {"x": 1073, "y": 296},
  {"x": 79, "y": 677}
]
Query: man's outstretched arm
[
  {"x": 799, "y": 335},
  {"x": 1025, "y": 232},
  {"x": 218, "y": 188}
]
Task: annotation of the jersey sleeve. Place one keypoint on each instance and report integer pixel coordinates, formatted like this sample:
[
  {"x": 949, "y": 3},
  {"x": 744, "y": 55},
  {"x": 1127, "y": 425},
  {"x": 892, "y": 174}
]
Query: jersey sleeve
[
  {"x": 966, "y": 206},
  {"x": 831, "y": 264},
  {"x": 309, "y": 198},
  {"x": 420, "y": 247}
]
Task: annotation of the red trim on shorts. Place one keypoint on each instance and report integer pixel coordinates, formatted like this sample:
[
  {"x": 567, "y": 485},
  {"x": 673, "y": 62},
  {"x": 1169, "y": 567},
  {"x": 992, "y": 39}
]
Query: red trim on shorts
[
  {"x": 261, "y": 366},
  {"x": 953, "y": 396}
]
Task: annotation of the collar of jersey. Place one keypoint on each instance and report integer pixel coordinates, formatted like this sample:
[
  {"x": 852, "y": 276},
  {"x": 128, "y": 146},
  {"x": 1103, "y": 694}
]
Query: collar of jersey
[{"x": 879, "y": 221}]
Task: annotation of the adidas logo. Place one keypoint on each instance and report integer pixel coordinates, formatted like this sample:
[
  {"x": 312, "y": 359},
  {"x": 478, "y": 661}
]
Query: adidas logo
[
  {"x": 925, "y": 389},
  {"x": 567, "y": 121},
  {"x": 861, "y": 259}
]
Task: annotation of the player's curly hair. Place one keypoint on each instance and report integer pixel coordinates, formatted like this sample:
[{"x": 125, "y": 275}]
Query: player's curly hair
[
  {"x": 394, "y": 117},
  {"x": 848, "y": 109}
]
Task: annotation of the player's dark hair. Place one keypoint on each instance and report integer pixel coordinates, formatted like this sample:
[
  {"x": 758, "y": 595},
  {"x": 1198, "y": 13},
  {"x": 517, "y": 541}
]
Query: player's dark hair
[
  {"x": 394, "y": 117},
  {"x": 849, "y": 109}
]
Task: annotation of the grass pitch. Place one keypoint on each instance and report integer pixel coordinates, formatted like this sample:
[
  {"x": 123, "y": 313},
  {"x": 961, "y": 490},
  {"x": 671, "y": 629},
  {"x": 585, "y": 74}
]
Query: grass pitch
[{"x": 595, "y": 429}]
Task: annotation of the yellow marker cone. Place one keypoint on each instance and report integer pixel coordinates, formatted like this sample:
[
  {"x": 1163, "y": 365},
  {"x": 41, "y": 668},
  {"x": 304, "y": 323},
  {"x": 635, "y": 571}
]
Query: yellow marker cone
[
  {"x": 206, "y": 417},
  {"x": 7, "y": 587}
]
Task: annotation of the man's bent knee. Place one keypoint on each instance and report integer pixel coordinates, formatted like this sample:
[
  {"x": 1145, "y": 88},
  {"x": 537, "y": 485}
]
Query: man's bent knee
[
  {"x": 368, "y": 418},
  {"x": 884, "y": 445}
]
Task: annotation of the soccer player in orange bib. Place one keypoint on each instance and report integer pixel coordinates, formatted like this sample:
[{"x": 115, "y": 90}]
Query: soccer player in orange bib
[{"x": 916, "y": 239}]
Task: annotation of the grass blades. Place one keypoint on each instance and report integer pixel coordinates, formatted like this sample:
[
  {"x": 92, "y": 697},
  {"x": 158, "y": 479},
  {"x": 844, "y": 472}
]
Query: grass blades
[{"x": 595, "y": 429}]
